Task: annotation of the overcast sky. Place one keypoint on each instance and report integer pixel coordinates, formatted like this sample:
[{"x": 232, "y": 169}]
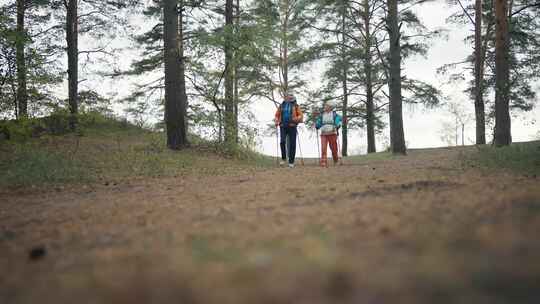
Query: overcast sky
[{"x": 422, "y": 127}]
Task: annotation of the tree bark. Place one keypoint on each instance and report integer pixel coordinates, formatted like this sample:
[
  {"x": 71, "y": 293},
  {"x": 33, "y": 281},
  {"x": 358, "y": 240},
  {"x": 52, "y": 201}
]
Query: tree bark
[
  {"x": 478, "y": 77},
  {"x": 182, "y": 68},
  {"x": 236, "y": 78},
  {"x": 22, "y": 95},
  {"x": 229, "y": 76},
  {"x": 174, "y": 121},
  {"x": 72, "y": 37},
  {"x": 345, "y": 106},
  {"x": 285, "y": 11},
  {"x": 502, "y": 112},
  {"x": 368, "y": 69},
  {"x": 397, "y": 136}
]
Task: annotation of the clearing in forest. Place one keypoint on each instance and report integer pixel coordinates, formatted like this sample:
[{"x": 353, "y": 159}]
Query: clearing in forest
[{"x": 430, "y": 227}]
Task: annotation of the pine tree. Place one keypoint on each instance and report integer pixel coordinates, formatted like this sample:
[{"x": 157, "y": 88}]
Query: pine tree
[
  {"x": 87, "y": 17},
  {"x": 502, "y": 112},
  {"x": 230, "y": 121},
  {"x": 479, "y": 76},
  {"x": 523, "y": 47},
  {"x": 72, "y": 40},
  {"x": 201, "y": 49},
  {"x": 397, "y": 137},
  {"x": 355, "y": 44},
  {"x": 480, "y": 42},
  {"x": 283, "y": 48},
  {"x": 174, "y": 105},
  {"x": 344, "y": 81},
  {"x": 22, "y": 96},
  {"x": 29, "y": 60}
]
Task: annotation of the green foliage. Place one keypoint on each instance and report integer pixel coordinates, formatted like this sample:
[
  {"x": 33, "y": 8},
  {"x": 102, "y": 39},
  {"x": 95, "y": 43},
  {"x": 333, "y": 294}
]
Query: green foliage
[
  {"x": 42, "y": 69},
  {"x": 112, "y": 150},
  {"x": 359, "y": 57},
  {"x": 372, "y": 157},
  {"x": 518, "y": 157},
  {"x": 240, "y": 152},
  {"x": 57, "y": 123},
  {"x": 21, "y": 130},
  {"x": 524, "y": 58},
  {"x": 266, "y": 28},
  {"x": 26, "y": 165}
]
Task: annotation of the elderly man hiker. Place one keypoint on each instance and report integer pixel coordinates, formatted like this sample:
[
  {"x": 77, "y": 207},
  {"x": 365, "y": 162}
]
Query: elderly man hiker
[
  {"x": 287, "y": 117},
  {"x": 328, "y": 122}
]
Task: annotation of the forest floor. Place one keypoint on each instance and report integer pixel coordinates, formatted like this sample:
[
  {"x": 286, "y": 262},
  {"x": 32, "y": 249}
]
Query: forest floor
[{"x": 425, "y": 228}]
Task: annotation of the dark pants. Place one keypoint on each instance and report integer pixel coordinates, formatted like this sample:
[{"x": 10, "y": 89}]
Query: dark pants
[{"x": 288, "y": 136}]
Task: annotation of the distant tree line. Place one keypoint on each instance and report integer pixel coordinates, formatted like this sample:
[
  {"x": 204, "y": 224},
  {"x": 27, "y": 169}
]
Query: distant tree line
[{"x": 505, "y": 61}]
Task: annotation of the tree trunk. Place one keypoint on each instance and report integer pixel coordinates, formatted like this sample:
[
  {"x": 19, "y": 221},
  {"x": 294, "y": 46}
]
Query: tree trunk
[
  {"x": 368, "y": 69},
  {"x": 182, "y": 70},
  {"x": 478, "y": 77},
  {"x": 285, "y": 47},
  {"x": 397, "y": 136},
  {"x": 463, "y": 134},
  {"x": 345, "y": 106},
  {"x": 457, "y": 131},
  {"x": 229, "y": 76},
  {"x": 22, "y": 95},
  {"x": 236, "y": 78},
  {"x": 72, "y": 37},
  {"x": 173, "y": 85},
  {"x": 502, "y": 111}
]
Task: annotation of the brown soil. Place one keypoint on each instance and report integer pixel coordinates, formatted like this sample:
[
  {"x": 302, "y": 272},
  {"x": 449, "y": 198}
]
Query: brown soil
[{"x": 415, "y": 229}]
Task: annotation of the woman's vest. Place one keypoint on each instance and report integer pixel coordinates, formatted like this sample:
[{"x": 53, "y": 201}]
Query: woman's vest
[{"x": 328, "y": 123}]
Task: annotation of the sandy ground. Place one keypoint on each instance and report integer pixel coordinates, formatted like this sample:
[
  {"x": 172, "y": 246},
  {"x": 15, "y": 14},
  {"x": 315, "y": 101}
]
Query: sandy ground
[{"x": 415, "y": 229}]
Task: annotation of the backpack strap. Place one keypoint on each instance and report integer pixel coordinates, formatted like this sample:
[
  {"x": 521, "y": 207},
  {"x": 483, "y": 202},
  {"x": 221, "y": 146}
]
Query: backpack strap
[{"x": 337, "y": 128}]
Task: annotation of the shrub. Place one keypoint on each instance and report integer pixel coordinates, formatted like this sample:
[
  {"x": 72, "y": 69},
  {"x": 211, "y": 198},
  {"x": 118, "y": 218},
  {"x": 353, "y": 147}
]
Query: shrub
[
  {"x": 22, "y": 129},
  {"x": 58, "y": 122},
  {"x": 520, "y": 157}
]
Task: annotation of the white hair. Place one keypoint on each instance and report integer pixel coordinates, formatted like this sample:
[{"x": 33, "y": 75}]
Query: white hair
[{"x": 329, "y": 103}]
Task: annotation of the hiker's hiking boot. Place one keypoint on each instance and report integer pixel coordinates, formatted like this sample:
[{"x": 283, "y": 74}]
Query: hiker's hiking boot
[
  {"x": 324, "y": 163},
  {"x": 281, "y": 163},
  {"x": 291, "y": 166}
]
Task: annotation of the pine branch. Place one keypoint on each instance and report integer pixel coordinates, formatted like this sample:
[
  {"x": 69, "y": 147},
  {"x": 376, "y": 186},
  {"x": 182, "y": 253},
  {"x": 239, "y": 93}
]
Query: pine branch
[
  {"x": 466, "y": 12},
  {"x": 537, "y": 4}
]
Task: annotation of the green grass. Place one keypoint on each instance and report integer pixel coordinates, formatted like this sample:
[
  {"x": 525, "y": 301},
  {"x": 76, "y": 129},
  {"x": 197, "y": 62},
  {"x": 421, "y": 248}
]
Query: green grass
[
  {"x": 519, "y": 157},
  {"x": 371, "y": 157},
  {"x": 112, "y": 152},
  {"x": 27, "y": 165}
]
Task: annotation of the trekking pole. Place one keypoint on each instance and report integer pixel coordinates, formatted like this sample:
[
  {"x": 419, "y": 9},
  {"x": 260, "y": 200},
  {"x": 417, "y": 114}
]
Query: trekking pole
[
  {"x": 318, "y": 146},
  {"x": 340, "y": 156},
  {"x": 300, "y": 147},
  {"x": 277, "y": 145}
]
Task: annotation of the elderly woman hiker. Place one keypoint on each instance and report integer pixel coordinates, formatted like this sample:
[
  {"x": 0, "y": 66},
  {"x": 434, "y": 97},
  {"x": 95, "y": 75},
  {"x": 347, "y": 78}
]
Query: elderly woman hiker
[
  {"x": 287, "y": 117},
  {"x": 328, "y": 122}
]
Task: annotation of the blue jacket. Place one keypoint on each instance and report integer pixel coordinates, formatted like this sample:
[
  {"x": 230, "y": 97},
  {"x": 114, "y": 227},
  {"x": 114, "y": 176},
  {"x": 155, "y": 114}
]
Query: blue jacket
[{"x": 337, "y": 121}]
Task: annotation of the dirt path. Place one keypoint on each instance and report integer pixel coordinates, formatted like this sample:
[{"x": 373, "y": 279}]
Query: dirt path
[{"x": 419, "y": 229}]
